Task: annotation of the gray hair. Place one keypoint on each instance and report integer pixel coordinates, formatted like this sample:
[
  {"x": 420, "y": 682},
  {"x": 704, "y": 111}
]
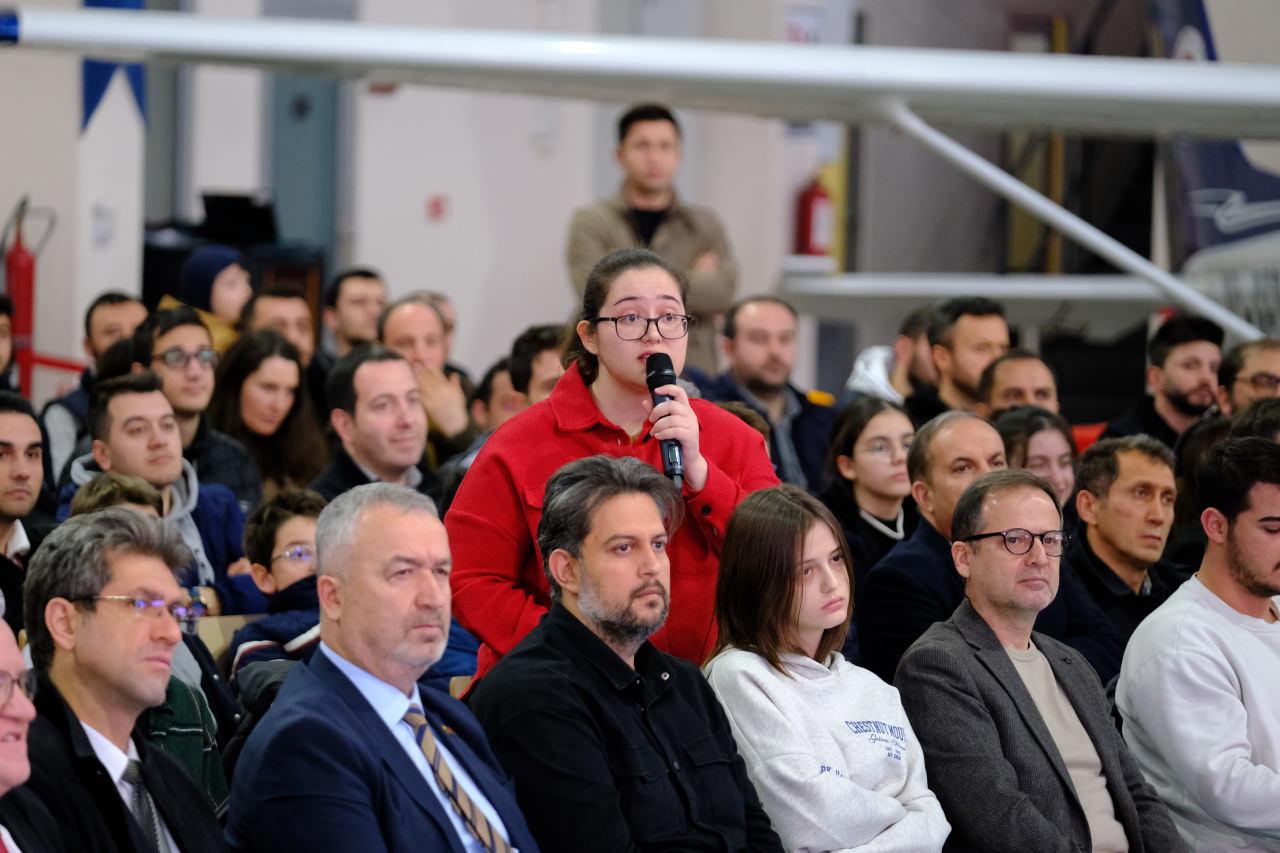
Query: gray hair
[
  {"x": 918, "y": 457},
  {"x": 336, "y": 526},
  {"x": 72, "y": 563},
  {"x": 967, "y": 519},
  {"x": 577, "y": 490}
]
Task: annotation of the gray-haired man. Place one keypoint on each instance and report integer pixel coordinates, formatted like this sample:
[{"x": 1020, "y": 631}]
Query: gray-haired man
[
  {"x": 102, "y": 608},
  {"x": 353, "y": 755},
  {"x": 613, "y": 744}
]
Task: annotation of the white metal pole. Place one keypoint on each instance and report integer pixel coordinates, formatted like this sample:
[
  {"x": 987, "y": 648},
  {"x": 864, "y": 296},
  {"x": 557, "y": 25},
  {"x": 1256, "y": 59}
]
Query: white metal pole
[{"x": 986, "y": 172}]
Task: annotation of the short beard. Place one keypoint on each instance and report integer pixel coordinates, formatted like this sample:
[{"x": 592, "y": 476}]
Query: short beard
[
  {"x": 969, "y": 391},
  {"x": 1182, "y": 403},
  {"x": 761, "y": 388},
  {"x": 620, "y": 627},
  {"x": 1242, "y": 572}
]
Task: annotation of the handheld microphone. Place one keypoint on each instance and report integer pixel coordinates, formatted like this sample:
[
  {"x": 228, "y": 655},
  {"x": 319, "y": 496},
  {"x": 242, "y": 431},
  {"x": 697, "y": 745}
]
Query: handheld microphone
[{"x": 659, "y": 371}]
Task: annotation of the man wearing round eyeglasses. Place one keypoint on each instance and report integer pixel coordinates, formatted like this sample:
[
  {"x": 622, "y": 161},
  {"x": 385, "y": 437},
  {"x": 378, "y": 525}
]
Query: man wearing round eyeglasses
[
  {"x": 102, "y": 610},
  {"x": 1015, "y": 727}
]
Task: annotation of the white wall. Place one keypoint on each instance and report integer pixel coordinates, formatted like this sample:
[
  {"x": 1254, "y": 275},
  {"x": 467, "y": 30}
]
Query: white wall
[
  {"x": 508, "y": 169},
  {"x": 223, "y": 117},
  {"x": 512, "y": 169},
  {"x": 92, "y": 181}
]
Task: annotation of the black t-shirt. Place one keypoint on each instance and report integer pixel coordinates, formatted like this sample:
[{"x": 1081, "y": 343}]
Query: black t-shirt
[{"x": 646, "y": 222}]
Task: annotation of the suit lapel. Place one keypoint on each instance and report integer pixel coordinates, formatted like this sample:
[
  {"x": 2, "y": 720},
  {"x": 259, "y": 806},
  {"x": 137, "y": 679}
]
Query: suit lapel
[
  {"x": 996, "y": 660},
  {"x": 389, "y": 751}
]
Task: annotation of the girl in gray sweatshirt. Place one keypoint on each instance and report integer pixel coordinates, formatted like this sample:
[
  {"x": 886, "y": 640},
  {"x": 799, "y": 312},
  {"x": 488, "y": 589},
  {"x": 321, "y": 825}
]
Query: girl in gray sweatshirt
[{"x": 827, "y": 744}]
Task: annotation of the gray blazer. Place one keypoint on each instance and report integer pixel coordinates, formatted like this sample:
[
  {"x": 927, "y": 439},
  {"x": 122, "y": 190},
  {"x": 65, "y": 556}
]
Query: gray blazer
[{"x": 990, "y": 758}]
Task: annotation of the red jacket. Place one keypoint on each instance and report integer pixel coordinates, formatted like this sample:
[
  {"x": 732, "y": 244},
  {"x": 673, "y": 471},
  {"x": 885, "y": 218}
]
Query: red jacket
[{"x": 499, "y": 590}]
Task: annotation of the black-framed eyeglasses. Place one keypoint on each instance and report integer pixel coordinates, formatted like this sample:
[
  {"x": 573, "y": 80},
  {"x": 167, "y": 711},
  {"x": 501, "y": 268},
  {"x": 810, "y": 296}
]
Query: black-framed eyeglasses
[
  {"x": 301, "y": 553},
  {"x": 150, "y": 607},
  {"x": 1018, "y": 541},
  {"x": 633, "y": 327},
  {"x": 177, "y": 357},
  {"x": 1262, "y": 382},
  {"x": 25, "y": 681}
]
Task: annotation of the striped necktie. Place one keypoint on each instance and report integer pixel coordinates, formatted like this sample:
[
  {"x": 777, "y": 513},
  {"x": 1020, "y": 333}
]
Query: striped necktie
[
  {"x": 490, "y": 839},
  {"x": 144, "y": 808}
]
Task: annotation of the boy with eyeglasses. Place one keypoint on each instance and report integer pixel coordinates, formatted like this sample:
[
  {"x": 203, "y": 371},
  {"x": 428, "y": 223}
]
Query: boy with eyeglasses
[{"x": 280, "y": 544}]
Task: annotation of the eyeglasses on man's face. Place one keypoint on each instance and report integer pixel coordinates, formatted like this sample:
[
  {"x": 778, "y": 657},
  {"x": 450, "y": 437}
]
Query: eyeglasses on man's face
[
  {"x": 24, "y": 681},
  {"x": 151, "y": 608},
  {"x": 633, "y": 327},
  {"x": 1018, "y": 541},
  {"x": 1262, "y": 382},
  {"x": 178, "y": 358}
]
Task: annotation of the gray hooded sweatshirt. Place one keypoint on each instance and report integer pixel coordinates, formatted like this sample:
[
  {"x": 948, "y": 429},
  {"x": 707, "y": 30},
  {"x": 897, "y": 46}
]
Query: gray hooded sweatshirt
[{"x": 185, "y": 493}]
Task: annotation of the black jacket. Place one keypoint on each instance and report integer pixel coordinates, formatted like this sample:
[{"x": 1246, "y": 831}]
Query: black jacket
[
  {"x": 917, "y": 585},
  {"x": 1142, "y": 418},
  {"x": 610, "y": 758},
  {"x": 924, "y": 405},
  {"x": 1115, "y": 598},
  {"x": 76, "y": 789},
  {"x": 219, "y": 458},
  {"x": 342, "y": 474},
  {"x": 29, "y": 822}
]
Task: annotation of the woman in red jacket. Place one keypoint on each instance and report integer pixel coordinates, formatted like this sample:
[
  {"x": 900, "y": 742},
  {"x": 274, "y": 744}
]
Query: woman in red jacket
[{"x": 633, "y": 306}]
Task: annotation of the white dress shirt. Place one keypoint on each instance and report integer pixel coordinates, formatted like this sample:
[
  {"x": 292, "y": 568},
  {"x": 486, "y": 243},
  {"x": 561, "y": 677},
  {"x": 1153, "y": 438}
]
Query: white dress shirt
[
  {"x": 9, "y": 843},
  {"x": 391, "y": 705},
  {"x": 116, "y": 762}
]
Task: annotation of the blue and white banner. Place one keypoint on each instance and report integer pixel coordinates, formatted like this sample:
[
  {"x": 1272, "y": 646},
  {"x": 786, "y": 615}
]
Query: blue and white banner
[
  {"x": 97, "y": 75},
  {"x": 1216, "y": 197}
]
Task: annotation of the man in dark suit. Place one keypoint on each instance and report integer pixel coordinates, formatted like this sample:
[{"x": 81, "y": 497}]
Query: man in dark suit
[
  {"x": 353, "y": 755},
  {"x": 102, "y": 610},
  {"x": 1016, "y": 732},
  {"x": 25, "y": 824}
]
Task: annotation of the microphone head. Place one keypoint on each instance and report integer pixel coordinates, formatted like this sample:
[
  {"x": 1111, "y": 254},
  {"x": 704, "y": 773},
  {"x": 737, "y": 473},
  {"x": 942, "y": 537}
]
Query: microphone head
[{"x": 659, "y": 371}]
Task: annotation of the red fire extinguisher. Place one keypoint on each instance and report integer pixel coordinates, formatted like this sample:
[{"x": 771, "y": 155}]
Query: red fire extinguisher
[
  {"x": 814, "y": 220},
  {"x": 20, "y": 285}
]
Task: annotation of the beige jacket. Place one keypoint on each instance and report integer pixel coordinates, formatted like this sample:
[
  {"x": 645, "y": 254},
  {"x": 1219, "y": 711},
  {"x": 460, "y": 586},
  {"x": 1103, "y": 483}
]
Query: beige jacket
[{"x": 686, "y": 233}]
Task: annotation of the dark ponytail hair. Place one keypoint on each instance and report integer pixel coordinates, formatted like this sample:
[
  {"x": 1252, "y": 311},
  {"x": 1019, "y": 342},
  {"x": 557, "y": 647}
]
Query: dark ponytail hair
[{"x": 601, "y": 278}]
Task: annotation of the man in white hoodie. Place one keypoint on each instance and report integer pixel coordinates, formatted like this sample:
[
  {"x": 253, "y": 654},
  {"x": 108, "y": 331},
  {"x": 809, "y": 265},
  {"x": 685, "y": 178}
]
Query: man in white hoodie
[
  {"x": 895, "y": 372},
  {"x": 1198, "y": 689},
  {"x": 135, "y": 432}
]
